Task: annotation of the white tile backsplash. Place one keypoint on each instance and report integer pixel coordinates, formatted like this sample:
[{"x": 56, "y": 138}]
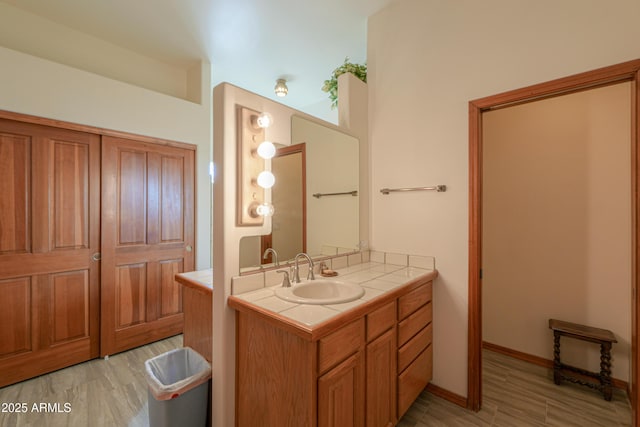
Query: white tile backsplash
[
  {"x": 251, "y": 282},
  {"x": 426, "y": 262},
  {"x": 354, "y": 259},
  {"x": 376, "y": 256},
  {"x": 272, "y": 277},
  {"x": 397, "y": 259},
  {"x": 339, "y": 262}
]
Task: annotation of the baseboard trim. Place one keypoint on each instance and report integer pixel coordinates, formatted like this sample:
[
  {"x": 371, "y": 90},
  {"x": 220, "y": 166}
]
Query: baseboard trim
[
  {"x": 447, "y": 395},
  {"x": 540, "y": 361}
]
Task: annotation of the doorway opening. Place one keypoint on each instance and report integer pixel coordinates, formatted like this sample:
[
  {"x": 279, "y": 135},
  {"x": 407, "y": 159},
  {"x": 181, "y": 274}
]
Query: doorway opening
[
  {"x": 289, "y": 222},
  {"x": 625, "y": 72}
]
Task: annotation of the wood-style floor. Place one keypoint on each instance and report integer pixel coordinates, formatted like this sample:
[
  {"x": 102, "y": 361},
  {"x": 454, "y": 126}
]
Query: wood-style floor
[
  {"x": 519, "y": 394},
  {"x": 113, "y": 393},
  {"x": 104, "y": 393}
]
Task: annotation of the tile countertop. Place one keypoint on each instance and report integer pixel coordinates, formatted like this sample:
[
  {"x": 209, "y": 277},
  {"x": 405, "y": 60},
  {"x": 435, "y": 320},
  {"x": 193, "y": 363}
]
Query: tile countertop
[
  {"x": 376, "y": 278},
  {"x": 201, "y": 280}
]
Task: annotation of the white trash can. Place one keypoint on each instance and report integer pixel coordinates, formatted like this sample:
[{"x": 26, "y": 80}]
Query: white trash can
[{"x": 178, "y": 388}]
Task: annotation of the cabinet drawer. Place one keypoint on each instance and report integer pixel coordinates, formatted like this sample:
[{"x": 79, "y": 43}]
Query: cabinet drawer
[
  {"x": 381, "y": 320},
  {"x": 410, "y": 302},
  {"x": 336, "y": 347},
  {"x": 414, "y": 379},
  {"x": 410, "y": 350},
  {"x": 412, "y": 324}
]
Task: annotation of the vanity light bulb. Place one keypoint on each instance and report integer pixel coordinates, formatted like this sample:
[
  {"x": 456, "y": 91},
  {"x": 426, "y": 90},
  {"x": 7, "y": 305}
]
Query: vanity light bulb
[
  {"x": 266, "y": 150},
  {"x": 264, "y": 120},
  {"x": 266, "y": 179},
  {"x": 265, "y": 209}
]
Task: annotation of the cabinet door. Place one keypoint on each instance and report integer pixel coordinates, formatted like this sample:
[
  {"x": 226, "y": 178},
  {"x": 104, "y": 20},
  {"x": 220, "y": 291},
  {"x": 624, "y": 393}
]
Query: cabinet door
[
  {"x": 49, "y": 230},
  {"x": 341, "y": 394},
  {"x": 381, "y": 381},
  {"x": 148, "y": 234},
  {"x": 414, "y": 379}
]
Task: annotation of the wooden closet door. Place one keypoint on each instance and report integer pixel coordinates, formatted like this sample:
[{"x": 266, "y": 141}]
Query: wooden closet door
[
  {"x": 49, "y": 231},
  {"x": 148, "y": 234}
]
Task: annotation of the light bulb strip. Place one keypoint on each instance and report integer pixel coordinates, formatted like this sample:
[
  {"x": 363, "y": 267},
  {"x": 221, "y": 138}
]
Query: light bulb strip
[{"x": 249, "y": 137}]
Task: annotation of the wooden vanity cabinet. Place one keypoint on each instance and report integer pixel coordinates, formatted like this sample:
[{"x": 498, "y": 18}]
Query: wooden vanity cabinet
[
  {"x": 415, "y": 355},
  {"x": 364, "y": 371},
  {"x": 381, "y": 367},
  {"x": 341, "y": 384}
]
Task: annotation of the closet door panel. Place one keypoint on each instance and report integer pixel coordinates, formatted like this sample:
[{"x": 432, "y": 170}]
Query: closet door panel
[
  {"x": 170, "y": 290},
  {"x": 70, "y": 185},
  {"x": 148, "y": 217},
  {"x": 172, "y": 199},
  {"x": 49, "y": 230},
  {"x": 131, "y": 206},
  {"x": 131, "y": 294},
  {"x": 69, "y": 306},
  {"x": 15, "y": 164},
  {"x": 17, "y": 313}
]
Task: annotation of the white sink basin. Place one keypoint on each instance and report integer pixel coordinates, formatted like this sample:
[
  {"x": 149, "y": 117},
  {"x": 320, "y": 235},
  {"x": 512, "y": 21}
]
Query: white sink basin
[{"x": 320, "y": 291}]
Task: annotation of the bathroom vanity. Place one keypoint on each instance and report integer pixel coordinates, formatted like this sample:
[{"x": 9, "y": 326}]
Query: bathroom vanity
[
  {"x": 365, "y": 365},
  {"x": 197, "y": 304}
]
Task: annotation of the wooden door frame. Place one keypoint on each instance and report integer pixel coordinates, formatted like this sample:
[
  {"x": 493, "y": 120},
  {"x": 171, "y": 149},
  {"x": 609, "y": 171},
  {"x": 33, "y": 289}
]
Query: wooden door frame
[
  {"x": 626, "y": 71},
  {"x": 266, "y": 241}
]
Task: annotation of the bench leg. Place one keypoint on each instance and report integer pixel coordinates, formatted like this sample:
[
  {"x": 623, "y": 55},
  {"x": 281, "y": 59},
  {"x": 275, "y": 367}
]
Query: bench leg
[
  {"x": 605, "y": 370},
  {"x": 557, "y": 378}
]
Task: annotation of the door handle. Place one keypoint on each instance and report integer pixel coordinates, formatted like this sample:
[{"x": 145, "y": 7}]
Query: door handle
[
  {"x": 189, "y": 248},
  {"x": 97, "y": 256}
]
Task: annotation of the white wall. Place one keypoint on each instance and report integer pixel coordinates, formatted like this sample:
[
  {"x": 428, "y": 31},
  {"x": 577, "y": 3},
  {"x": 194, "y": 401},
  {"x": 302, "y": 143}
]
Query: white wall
[
  {"x": 556, "y": 236},
  {"x": 39, "y": 87},
  {"x": 226, "y": 245},
  {"x": 41, "y": 37},
  {"x": 427, "y": 59}
]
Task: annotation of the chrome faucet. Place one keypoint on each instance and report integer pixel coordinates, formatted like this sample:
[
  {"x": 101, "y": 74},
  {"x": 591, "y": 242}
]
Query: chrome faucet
[
  {"x": 296, "y": 274},
  {"x": 275, "y": 256}
]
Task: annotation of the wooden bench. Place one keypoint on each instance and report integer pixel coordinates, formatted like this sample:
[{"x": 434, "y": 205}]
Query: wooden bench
[{"x": 575, "y": 375}]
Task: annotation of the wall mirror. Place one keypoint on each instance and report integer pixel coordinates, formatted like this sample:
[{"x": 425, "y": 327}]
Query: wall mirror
[{"x": 316, "y": 197}]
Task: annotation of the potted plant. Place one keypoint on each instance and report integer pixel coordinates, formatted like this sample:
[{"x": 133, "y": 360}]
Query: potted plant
[{"x": 331, "y": 85}]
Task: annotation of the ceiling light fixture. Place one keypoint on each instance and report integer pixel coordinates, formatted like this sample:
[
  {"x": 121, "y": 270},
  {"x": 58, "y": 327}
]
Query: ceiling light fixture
[{"x": 281, "y": 88}]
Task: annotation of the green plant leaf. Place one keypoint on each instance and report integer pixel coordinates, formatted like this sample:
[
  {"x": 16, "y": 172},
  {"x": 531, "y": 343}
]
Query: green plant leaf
[{"x": 331, "y": 85}]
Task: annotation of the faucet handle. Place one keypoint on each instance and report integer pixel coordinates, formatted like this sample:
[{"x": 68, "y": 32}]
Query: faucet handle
[
  {"x": 286, "y": 283},
  {"x": 322, "y": 267}
]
